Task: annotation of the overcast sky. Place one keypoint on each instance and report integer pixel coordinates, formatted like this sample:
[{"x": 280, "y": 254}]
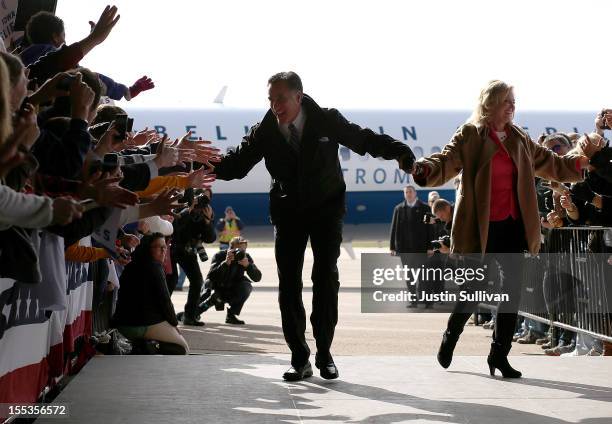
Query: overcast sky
[{"x": 357, "y": 54}]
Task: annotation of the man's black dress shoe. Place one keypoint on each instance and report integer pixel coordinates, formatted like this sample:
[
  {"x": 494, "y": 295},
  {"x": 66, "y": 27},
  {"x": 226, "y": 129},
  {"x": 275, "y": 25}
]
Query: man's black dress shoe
[
  {"x": 329, "y": 371},
  {"x": 297, "y": 374}
]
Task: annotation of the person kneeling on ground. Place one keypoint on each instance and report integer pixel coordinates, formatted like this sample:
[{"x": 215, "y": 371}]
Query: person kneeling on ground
[
  {"x": 144, "y": 309},
  {"x": 226, "y": 277}
]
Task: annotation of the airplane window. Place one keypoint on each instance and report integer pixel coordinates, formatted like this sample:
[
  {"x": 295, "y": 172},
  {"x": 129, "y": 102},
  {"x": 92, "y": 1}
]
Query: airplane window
[
  {"x": 418, "y": 151},
  {"x": 435, "y": 149},
  {"x": 345, "y": 153}
]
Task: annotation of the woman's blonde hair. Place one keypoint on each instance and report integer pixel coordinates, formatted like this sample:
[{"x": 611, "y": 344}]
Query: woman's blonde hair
[
  {"x": 489, "y": 100},
  {"x": 6, "y": 126}
]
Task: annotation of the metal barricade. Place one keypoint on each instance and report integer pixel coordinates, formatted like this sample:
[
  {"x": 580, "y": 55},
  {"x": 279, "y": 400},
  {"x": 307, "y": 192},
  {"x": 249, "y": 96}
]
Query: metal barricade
[{"x": 569, "y": 285}]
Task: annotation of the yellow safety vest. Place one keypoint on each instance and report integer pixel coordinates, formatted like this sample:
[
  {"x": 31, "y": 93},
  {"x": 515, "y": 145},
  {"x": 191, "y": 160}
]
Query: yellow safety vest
[{"x": 229, "y": 231}]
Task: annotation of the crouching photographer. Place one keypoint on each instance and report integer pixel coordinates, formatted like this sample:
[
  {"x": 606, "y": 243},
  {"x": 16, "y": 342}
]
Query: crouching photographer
[
  {"x": 193, "y": 226},
  {"x": 228, "y": 280}
]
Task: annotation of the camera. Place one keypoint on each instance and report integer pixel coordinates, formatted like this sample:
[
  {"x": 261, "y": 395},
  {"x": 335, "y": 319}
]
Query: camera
[
  {"x": 123, "y": 125},
  {"x": 65, "y": 83},
  {"x": 239, "y": 254},
  {"x": 437, "y": 244},
  {"x": 201, "y": 252},
  {"x": 201, "y": 202},
  {"x": 429, "y": 219},
  {"x": 109, "y": 163}
]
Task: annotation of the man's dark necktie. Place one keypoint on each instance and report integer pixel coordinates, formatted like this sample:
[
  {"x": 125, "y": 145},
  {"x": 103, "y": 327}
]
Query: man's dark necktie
[{"x": 294, "y": 138}]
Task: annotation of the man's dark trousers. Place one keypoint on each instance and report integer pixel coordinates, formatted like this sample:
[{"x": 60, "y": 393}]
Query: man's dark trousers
[
  {"x": 291, "y": 237},
  {"x": 189, "y": 262}
]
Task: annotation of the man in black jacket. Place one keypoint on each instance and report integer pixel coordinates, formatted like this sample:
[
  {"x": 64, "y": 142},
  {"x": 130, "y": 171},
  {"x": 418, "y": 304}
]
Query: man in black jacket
[
  {"x": 192, "y": 226},
  {"x": 299, "y": 142},
  {"x": 410, "y": 235},
  {"x": 226, "y": 277}
]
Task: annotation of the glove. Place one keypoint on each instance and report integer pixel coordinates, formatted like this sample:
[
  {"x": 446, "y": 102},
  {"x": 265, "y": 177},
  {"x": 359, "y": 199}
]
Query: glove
[
  {"x": 582, "y": 191},
  {"x": 142, "y": 84},
  {"x": 602, "y": 162}
]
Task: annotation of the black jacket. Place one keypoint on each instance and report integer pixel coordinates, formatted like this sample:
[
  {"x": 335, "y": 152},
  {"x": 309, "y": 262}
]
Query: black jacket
[
  {"x": 143, "y": 297},
  {"x": 220, "y": 276},
  {"x": 409, "y": 234},
  {"x": 309, "y": 183},
  {"x": 189, "y": 229}
]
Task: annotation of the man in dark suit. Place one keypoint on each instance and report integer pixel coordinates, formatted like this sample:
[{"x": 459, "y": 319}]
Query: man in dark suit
[
  {"x": 299, "y": 142},
  {"x": 410, "y": 235}
]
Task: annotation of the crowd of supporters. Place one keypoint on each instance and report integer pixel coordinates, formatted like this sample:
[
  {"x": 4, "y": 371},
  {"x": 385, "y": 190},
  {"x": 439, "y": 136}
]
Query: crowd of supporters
[{"x": 128, "y": 204}]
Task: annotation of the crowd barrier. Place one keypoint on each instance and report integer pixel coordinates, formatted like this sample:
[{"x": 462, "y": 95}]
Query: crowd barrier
[
  {"x": 569, "y": 284},
  {"x": 45, "y": 327}
]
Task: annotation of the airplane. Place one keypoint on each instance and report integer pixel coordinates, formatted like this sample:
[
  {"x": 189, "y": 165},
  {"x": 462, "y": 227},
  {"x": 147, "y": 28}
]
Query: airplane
[{"x": 374, "y": 186}]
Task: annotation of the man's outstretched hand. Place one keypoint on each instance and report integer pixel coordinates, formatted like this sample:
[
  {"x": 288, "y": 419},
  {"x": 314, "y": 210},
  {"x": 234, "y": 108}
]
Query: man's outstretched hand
[{"x": 406, "y": 162}]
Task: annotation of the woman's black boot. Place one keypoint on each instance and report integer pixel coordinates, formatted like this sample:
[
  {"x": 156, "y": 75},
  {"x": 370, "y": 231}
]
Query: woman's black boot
[
  {"x": 447, "y": 347},
  {"x": 498, "y": 359}
]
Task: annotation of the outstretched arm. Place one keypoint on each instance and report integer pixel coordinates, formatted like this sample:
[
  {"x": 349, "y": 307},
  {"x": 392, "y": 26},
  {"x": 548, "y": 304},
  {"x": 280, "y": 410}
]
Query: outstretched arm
[
  {"x": 237, "y": 164},
  {"x": 364, "y": 140},
  {"x": 437, "y": 169}
]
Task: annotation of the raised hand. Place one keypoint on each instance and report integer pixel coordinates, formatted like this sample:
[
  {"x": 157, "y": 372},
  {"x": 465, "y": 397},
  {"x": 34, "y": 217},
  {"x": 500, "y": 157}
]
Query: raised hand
[
  {"x": 107, "y": 21},
  {"x": 141, "y": 138},
  {"x": 202, "y": 178},
  {"x": 65, "y": 210},
  {"x": 142, "y": 84},
  {"x": 554, "y": 219},
  {"x": 590, "y": 144},
  {"x": 81, "y": 98},
  {"x": 166, "y": 154},
  {"x": 108, "y": 142},
  {"x": 50, "y": 89},
  {"x": 165, "y": 202},
  {"x": 106, "y": 192},
  {"x": 25, "y": 127}
]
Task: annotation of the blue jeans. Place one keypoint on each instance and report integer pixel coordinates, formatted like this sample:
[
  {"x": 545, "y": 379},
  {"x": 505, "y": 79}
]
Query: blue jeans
[{"x": 181, "y": 278}]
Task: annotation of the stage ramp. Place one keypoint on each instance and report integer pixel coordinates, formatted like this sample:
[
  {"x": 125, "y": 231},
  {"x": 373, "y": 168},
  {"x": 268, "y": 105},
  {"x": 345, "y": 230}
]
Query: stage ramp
[{"x": 247, "y": 388}]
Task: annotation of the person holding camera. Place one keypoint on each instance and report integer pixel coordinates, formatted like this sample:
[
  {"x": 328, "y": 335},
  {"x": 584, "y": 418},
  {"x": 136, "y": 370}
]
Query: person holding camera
[
  {"x": 192, "y": 227},
  {"x": 226, "y": 277},
  {"x": 443, "y": 211}
]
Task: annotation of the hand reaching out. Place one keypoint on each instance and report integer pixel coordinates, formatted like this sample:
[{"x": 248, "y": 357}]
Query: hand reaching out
[
  {"x": 142, "y": 84},
  {"x": 202, "y": 178}
]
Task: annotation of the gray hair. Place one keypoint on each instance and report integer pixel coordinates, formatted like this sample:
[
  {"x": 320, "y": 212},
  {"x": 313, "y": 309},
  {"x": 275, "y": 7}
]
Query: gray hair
[{"x": 292, "y": 80}]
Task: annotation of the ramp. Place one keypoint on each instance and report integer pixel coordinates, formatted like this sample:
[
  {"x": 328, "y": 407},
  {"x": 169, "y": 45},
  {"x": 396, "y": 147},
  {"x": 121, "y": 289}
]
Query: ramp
[{"x": 247, "y": 388}]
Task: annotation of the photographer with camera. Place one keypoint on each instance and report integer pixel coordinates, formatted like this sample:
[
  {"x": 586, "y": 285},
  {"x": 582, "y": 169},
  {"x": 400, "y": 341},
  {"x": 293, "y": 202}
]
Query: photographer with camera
[
  {"x": 192, "y": 227},
  {"x": 443, "y": 211},
  {"x": 226, "y": 277}
]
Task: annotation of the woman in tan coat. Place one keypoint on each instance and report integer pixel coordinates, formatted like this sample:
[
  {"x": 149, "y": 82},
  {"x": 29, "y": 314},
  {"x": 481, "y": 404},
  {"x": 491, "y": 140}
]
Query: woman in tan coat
[{"x": 496, "y": 207}]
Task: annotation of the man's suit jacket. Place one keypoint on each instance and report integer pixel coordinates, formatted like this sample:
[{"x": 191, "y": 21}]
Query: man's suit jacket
[
  {"x": 308, "y": 183},
  {"x": 409, "y": 234}
]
